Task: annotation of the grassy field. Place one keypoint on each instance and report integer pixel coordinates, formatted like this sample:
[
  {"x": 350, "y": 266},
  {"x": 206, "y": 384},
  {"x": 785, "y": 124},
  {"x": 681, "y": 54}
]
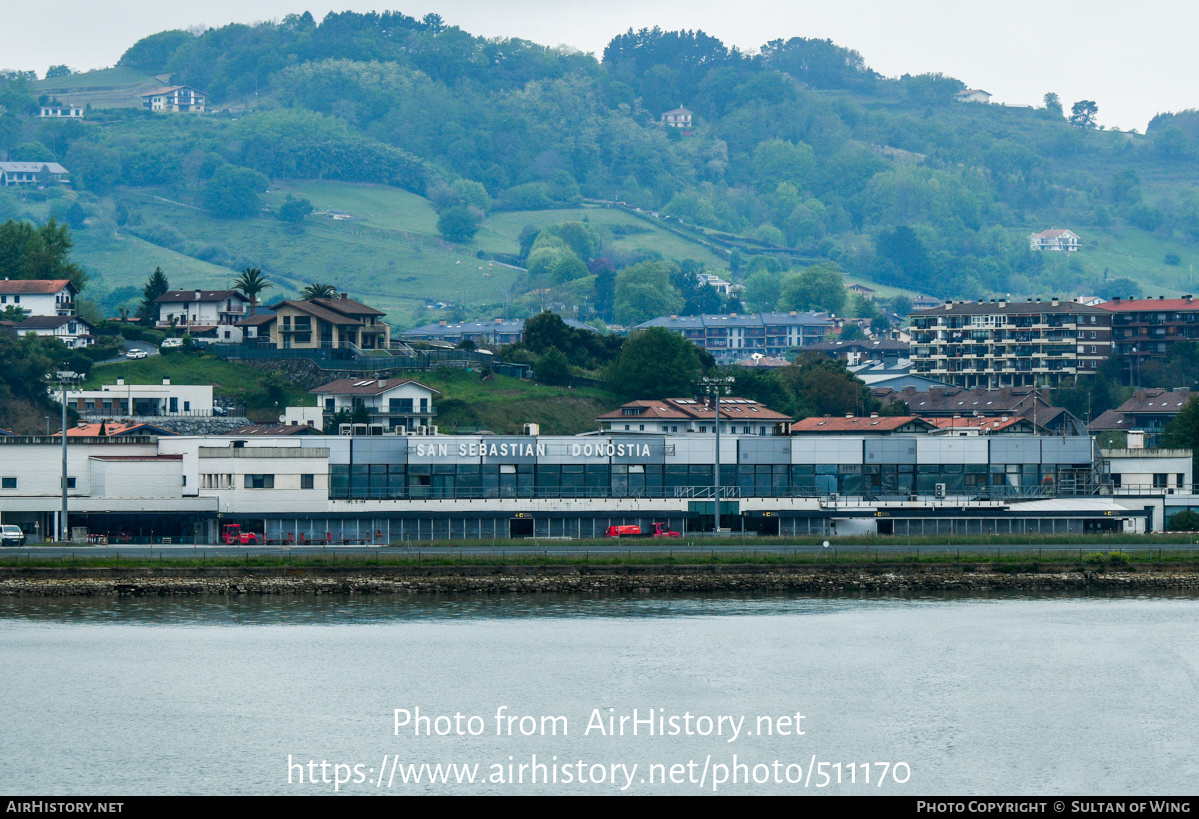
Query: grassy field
[
  {"x": 124, "y": 259},
  {"x": 395, "y": 270},
  {"x": 106, "y": 88},
  {"x": 500, "y": 233},
  {"x": 501, "y": 404},
  {"x": 229, "y": 379}
]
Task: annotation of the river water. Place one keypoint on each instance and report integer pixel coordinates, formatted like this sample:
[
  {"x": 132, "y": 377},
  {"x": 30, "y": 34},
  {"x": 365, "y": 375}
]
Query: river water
[{"x": 741, "y": 695}]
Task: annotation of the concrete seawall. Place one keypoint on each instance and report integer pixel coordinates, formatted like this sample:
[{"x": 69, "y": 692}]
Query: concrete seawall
[{"x": 622, "y": 579}]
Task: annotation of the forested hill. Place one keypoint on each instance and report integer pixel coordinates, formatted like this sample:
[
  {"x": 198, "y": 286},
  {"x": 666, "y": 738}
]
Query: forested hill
[{"x": 800, "y": 145}]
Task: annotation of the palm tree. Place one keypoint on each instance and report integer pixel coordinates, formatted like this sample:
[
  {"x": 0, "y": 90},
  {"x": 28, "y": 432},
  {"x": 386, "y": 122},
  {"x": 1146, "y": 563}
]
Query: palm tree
[
  {"x": 251, "y": 283},
  {"x": 319, "y": 291}
]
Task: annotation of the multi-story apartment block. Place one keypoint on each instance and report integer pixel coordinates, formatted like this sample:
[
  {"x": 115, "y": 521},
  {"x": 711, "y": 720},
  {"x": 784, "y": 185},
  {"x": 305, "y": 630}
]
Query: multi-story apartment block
[
  {"x": 1010, "y": 344},
  {"x": 732, "y": 337},
  {"x": 1149, "y": 328}
]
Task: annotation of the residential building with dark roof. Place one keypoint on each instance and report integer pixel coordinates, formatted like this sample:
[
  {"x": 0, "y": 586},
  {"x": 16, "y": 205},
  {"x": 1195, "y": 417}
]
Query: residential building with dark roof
[
  {"x": 1148, "y": 410},
  {"x": 70, "y": 330},
  {"x": 494, "y": 333},
  {"x": 738, "y": 416},
  {"x": 731, "y": 337},
  {"x": 327, "y": 324},
  {"x": 392, "y": 402},
  {"x": 1149, "y": 328},
  {"x": 1025, "y": 402},
  {"x": 981, "y": 345},
  {"x": 206, "y": 315},
  {"x": 175, "y": 98},
  {"x": 32, "y": 174},
  {"x": 861, "y": 351}
]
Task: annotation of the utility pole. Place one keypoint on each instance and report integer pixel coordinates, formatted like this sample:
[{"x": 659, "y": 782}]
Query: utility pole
[{"x": 715, "y": 387}]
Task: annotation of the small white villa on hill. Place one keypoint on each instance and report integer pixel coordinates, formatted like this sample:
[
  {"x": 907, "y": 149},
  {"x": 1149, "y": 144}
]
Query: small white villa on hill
[{"x": 1064, "y": 240}]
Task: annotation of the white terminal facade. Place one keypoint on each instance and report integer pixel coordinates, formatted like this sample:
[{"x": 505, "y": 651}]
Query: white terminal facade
[{"x": 394, "y": 488}]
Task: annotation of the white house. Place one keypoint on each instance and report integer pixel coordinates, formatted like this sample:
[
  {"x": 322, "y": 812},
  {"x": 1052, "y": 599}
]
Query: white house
[
  {"x": 1061, "y": 240},
  {"x": 972, "y": 95},
  {"x": 39, "y": 297},
  {"x": 70, "y": 330},
  {"x": 31, "y": 174},
  {"x": 142, "y": 400},
  {"x": 678, "y": 118},
  {"x": 55, "y": 111},
  {"x": 207, "y": 315},
  {"x": 178, "y": 98},
  {"x": 393, "y": 402}
]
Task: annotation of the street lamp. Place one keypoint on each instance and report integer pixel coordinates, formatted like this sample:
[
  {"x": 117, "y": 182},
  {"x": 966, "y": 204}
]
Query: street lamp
[
  {"x": 64, "y": 376},
  {"x": 716, "y": 387}
]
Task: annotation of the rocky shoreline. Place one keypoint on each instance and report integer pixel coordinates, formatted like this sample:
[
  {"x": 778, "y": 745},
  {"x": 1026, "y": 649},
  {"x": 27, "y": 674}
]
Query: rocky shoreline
[{"x": 622, "y": 579}]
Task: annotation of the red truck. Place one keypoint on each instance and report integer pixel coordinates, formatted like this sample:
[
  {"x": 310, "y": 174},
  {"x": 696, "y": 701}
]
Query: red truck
[
  {"x": 656, "y": 530},
  {"x": 232, "y": 535}
]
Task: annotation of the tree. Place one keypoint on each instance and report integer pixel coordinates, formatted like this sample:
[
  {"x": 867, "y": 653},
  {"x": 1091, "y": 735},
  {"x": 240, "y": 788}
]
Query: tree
[
  {"x": 1082, "y": 115},
  {"x": 157, "y": 285},
  {"x": 234, "y": 192},
  {"x": 655, "y": 363},
  {"x": 823, "y": 386},
  {"x": 295, "y": 210},
  {"x": 58, "y": 71},
  {"x": 319, "y": 291},
  {"x": 458, "y": 224},
  {"x": 552, "y": 368},
  {"x": 1185, "y": 521},
  {"x": 1053, "y": 105},
  {"x": 251, "y": 283},
  {"x": 819, "y": 287},
  {"x": 643, "y": 291}
]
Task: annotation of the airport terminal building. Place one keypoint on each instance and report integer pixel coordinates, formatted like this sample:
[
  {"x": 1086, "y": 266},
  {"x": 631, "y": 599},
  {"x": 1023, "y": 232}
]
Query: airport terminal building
[{"x": 390, "y": 488}]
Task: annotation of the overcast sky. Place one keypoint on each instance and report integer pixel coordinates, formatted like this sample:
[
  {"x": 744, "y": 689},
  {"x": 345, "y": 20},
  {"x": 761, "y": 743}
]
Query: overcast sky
[{"x": 1134, "y": 59}]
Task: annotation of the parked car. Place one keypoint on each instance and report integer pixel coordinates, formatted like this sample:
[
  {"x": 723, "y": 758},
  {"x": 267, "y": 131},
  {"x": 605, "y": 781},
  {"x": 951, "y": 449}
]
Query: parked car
[
  {"x": 171, "y": 343},
  {"x": 136, "y": 354},
  {"x": 11, "y": 536}
]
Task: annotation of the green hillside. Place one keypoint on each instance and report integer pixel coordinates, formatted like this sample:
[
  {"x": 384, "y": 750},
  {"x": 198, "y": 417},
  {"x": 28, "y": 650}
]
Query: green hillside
[{"x": 416, "y": 132}]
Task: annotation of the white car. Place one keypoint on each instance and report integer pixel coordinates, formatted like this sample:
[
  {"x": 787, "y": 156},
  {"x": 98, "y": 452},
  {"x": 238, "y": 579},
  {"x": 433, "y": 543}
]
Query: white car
[
  {"x": 170, "y": 343},
  {"x": 136, "y": 354}
]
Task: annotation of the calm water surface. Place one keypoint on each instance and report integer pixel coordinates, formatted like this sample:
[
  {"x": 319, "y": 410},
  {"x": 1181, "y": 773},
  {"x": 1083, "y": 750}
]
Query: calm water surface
[{"x": 1006, "y": 695}]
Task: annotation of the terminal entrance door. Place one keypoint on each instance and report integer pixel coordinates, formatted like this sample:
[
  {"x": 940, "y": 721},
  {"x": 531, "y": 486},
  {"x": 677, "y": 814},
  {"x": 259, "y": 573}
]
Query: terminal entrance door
[{"x": 520, "y": 527}]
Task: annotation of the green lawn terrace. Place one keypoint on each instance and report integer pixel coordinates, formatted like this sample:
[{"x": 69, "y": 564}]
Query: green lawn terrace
[{"x": 119, "y": 87}]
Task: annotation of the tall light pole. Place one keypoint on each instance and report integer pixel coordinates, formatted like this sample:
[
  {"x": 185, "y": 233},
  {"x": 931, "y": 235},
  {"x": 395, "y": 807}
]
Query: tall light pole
[
  {"x": 64, "y": 376},
  {"x": 715, "y": 387}
]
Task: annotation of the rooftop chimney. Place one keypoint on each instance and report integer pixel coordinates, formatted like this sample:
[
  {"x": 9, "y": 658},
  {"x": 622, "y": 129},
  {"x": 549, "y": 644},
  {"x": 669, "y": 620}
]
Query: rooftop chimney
[
  {"x": 197, "y": 295},
  {"x": 166, "y": 382},
  {"x": 120, "y": 381},
  {"x": 499, "y": 320},
  {"x": 345, "y": 296}
]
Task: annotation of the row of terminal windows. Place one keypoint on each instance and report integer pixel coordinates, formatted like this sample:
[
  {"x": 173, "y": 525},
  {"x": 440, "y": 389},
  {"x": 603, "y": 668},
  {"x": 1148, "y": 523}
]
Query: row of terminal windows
[{"x": 399, "y": 481}]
